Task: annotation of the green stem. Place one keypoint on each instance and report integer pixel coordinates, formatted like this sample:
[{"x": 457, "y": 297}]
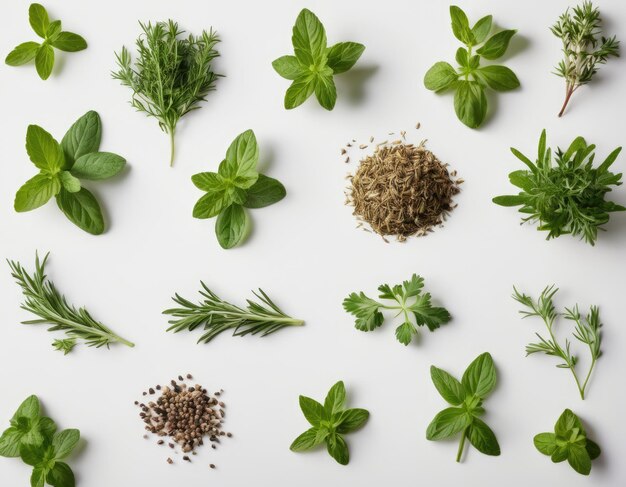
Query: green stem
[
  {"x": 172, "y": 145},
  {"x": 461, "y": 446},
  {"x": 582, "y": 390},
  {"x": 565, "y": 357}
]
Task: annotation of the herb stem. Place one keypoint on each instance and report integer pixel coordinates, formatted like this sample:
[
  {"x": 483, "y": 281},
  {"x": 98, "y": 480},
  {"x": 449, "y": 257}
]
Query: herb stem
[
  {"x": 461, "y": 445},
  {"x": 568, "y": 94},
  {"x": 171, "y": 131}
]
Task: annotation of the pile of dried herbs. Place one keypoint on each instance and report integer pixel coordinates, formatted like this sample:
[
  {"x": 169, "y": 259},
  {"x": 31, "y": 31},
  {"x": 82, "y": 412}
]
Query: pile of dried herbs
[{"x": 402, "y": 190}]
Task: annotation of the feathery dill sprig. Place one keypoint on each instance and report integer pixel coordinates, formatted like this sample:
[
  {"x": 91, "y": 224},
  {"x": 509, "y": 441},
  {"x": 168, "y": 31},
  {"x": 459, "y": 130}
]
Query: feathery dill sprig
[
  {"x": 172, "y": 74},
  {"x": 43, "y": 299},
  {"x": 217, "y": 316},
  {"x": 583, "y": 46}
]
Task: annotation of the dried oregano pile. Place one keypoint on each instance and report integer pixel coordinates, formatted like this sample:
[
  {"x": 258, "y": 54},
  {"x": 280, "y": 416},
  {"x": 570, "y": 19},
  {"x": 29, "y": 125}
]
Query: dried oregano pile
[
  {"x": 185, "y": 414},
  {"x": 402, "y": 190}
]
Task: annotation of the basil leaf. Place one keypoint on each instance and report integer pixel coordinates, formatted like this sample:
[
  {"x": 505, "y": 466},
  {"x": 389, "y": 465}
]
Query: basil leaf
[
  {"x": 38, "y": 18},
  {"x": 309, "y": 39},
  {"x": 98, "y": 165},
  {"x": 306, "y": 441},
  {"x": 22, "y": 54},
  {"x": 266, "y": 191},
  {"x": 338, "y": 449},
  {"x": 499, "y": 78},
  {"x": 440, "y": 76},
  {"x": 302, "y": 87},
  {"x": 44, "y": 61},
  {"x": 480, "y": 377},
  {"x": 82, "y": 138},
  {"x": 241, "y": 160},
  {"x": 69, "y": 42},
  {"x": 462, "y": 57},
  {"x": 449, "y": 387},
  {"x": 447, "y": 423},
  {"x": 496, "y": 45},
  {"x": 313, "y": 411},
  {"x": 593, "y": 449},
  {"x": 352, "y": 419},
  {"x": 460, "y": 26},
  {"x": 36, "y": 192},
  {"x": 209, "y": 181},
  {"x": 578, "y": 458},
  {"x": 69, "y": 182},
  {"x": 483, "y": 439},
  {"x": 470, "y": 103},
  {"x": 545, "y": 443},
  {"x": 404, "y": 333},
  {"x": 566, "y": 423},
  {"x": 38, "y": 477},
  {"x": 82, "y": 209},
  {"x": 61, "y": 475},
  {"x": 43, "y": 150},
  {"x": 288, "y": 67},
  {"x": 344, "y": 55},
  {"x": 64, "y": 442},
  {"x": 211, "y": 204},
  {"x": 481, "y": 28},
  {"x": 325, "y": 90},
  {"x": 335, "y": 399},
  {"x": 231, "y": 226}
]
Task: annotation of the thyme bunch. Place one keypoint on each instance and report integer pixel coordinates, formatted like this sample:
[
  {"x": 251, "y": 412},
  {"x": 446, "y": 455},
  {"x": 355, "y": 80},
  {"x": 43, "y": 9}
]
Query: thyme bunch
[{"x": 171, "y": 75}]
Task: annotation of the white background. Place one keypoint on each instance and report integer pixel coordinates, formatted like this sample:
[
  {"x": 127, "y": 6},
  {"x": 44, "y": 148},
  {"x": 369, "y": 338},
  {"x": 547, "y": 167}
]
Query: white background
[{"x": 305, "y": 251}]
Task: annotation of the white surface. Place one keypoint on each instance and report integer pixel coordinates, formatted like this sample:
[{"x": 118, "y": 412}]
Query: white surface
[{"x": 305, "y": 251}]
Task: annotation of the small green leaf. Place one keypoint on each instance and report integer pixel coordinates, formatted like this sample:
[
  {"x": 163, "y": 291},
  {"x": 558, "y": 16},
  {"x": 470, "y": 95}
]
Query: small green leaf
[
  {"x": 462, "y": 57},
  {"x": 566, "y": 423},
  {"x": 309, "y": 39},
  {"x": 510, "y": 200},
  {"x": 288, "y": 67},
  {"x": 43, "y": 150},
  {"x": 578, "y": 458},
  {"x": 10, "y": 442},
  {"x": 66, "y": 345},
  {"x": 449, "y": 388},
  {"x": 499, "y": 78},
  {"x": 69, "y": 182},
  {"x": 313, "y": 411},
  {"x": 209, "y": 181},
  {"x": 61, "y": 475},
  {"x": 482, "y": 438},
  {"x": 470, "y": 103},
  {"x": 83, "y": 137},
  {"x": 335, "y": 398},
  {"x": 98, "y": 165},
  {"x": 44, "y": 61},
  {"x": 266, "y": 191},
  {"x": 352, "y": 419},
  {"x": 440, "y": 77},
  {"x": 302, "y": 87},
  {"x": 344, "y": 55},
  {"x": 82, "y": 209},
  {"x": 38, "y": 18},
  {"x": 36, "y": 192},
  {"x": 545, "y": 443},
  {"x": 64, "y": 442},
  {"x": 241, "y": 160},
  {"x": 522, "y": 180},
  {"x": 325, "y": 90},
  {"x": 212, "y": 204},
  {"x": 306, "y": 441},
  {"x": 365, "y": 309},
  {"x": 593, "y": 449},
  {"x": 22, "y": 54},
  {"x": 560, "y": 454},
  {"x": 496, "y": 45},
  {"x": 480, "y": 377},
  {"x": 482, "y": 28},
  {"x": 30, "y": 408},
  {"x": 54, "y": 29},
  {"x": 231, "y": 226},
  {"x": 460, "y": 26},
  {"x": 405, "y": 332},
  {"x": 69, "y": 42},
  {"x": 602, "y": 168},
  {"x": 338, "y": 449},
  {"x": 448, "y": 423},
  {"x": 32, "y": 454},
  {"x": 38, "y": 477}
]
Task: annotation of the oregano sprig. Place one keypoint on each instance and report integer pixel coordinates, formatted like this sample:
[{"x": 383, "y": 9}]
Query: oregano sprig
[{"x": 470, "y": 80}]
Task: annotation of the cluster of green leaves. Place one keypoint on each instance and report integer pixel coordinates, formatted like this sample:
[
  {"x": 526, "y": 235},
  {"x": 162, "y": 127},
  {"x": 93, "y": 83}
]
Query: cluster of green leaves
[
  {"x": 583, "y": 46},
  {"x": 171, "y": 76},
  {"x": 34, "y": 438},
  {"x": 329, "y": 422},
  {"x": 216, "y": 316},
  {"x": 234, "y": 187},
  {"x": 53, "y": 37},
  {"x": 466, "y": 398},
  {"x": 566, "y": 198},
  {"x": 586, "y": 330},
  {"x": 62, "y": 166},
  {"x": 409, "y": 299},
  {"x": 314, "y": 64},
  {"x": 569, "y": 442},
  {"x": 471, "y": 79},
  {"x": 44, "y": 300}
]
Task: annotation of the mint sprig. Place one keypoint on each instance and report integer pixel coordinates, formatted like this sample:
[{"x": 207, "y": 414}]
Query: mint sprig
[{"x": 314, "y": 64}]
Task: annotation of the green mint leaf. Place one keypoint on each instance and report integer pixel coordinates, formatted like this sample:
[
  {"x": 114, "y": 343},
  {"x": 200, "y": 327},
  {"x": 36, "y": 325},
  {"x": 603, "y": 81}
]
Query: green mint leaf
[
  {"x": 61, "y": 475},
  {"x": 482, "y": 28},
  {"x": 462, "y": 57},
  {"x": 69, "y": 182},
  {"x": 482, "y": 438},
  {"x": 447, "y": 423},
  {"x": 302, "y": 87},
  {"x": 325, "y": 90},
  {"x": 22, "y": 54},
  {"x": 335, "y": 399},
  {"x": 567, "y": 422},
  {"x": 44, "y": 61},
  {"x": 560, "y": 454},
  {"x": 10, "y": 442},
  {"x": 212, "y": 204},
  {"x": 365, "y": 309},
  {"x": 231, "y": 226},
  {"x": 82, "y": 209},
  {"x": 69, "y": 42},
  {"x": 344, "y": 55},
  {"x": 496, "y": 45},
  {"x": 47, "y": 428},
  {"x": 338, "y": 449},
  {"x": 449, "y": 387},
  {"x": 266, "y": 191},
  {"x": 43, "y": 150},
  {"x": 499, "y": 78},
  {"x": 98, "y": 165},
  {"x": 479, "y": 378},
  {"x": 209, "y": 181},
  {"x": 66, "y": 345},
  {"x": 309, "y": 40},
  {"x": 545, "y": 443},
  {"x": 440, "y": 77},
  {"x": 460, "y": 26},
  {"x": 39, "y": 20},
  {"x": 593, "y": 449},
  {"x": 470, "y": 103},
  {"x": 54, "y": 29},
  {"x": 313, "y": 411},
  {"x": 32, "y": 454},
  {"x": 578, "y": 458},
  {"x": 64, "y": 442},
  {"x": 306, "y": 440},
  {"x": 352, "y": 419},
  {"x": 242, "y": 156},
  {"x": 404, "y": 333},
  {"x": 288, "y": 67},
  {"x": 82, "y": 138},
  {"x": 38, "y": 477},
  {"x": 36, "y": 192},
  {"x": 30, "y": 408}
]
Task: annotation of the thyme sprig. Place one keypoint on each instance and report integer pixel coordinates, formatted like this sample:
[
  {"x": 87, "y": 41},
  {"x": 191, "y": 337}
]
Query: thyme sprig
[
  {"x": 217, "y": 316},
  {"x": 43, "y": 299},
  {"x": 171, "y": 76},
  {"x": 579, "y": 30}
]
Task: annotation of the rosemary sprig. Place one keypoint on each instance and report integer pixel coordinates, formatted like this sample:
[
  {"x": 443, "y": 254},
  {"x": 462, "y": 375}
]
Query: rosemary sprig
[
  {"x": 587, "y": 331},
  {"x": 584, "y": 51},
  {"x": 171, "y": 76},
  {"x": 216, "y": 316},
  {"x": 43, "y": 299}
]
